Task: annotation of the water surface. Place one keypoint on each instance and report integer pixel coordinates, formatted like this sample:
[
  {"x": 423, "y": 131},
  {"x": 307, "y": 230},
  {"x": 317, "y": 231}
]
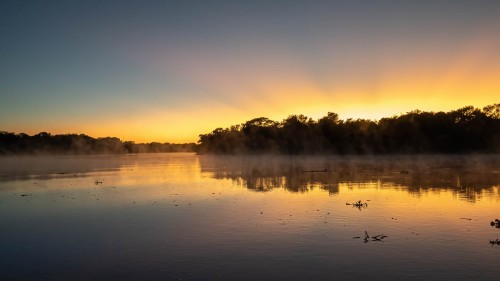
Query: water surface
[{"x": 189, "y": 217}]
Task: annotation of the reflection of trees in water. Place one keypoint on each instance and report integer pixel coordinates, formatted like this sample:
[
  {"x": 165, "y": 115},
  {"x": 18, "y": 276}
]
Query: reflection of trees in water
[
  {"x": 296, "y": 182},
  {"x": 469, "y": 177},
  {"x": 471, "y": 193},
  {"x": 267, "y": 173},
  {"x": 57, "y": 167}
]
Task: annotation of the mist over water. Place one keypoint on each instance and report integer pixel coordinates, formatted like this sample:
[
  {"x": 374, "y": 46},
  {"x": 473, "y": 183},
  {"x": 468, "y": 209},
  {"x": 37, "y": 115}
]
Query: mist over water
[
  {"x": 206, "y": 217},
  {"x": 462, "y": 173}
]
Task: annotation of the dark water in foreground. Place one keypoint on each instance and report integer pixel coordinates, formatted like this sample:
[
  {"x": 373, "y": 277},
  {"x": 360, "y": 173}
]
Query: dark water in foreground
[{"x": 188, "y": 217}]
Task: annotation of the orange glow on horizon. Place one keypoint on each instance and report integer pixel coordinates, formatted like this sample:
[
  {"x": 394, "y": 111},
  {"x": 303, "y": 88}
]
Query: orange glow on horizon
[
  {"x": 154, "y": 81},
  {"x": 280, "y": 88}
]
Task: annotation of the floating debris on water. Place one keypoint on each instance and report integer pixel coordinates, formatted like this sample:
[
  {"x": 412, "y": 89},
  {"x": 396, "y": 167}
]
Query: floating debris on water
[
  {"x": 378, "y": 237},
  {"x": 367, "y": 237},
  {"x": 315, "y": 171},
  {"x": 495, "y": 223},
  {"x": 493, "y": 242},
  {"x": 358, "y": 204}
]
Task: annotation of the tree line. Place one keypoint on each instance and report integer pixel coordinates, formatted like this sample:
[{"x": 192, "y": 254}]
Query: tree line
[
  {"x": 46, "y": 143},
  {"x": 465, "y": 130}
]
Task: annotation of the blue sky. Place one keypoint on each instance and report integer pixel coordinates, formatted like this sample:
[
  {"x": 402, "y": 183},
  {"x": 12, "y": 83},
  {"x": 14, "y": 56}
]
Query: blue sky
[{"x": 170, "y": 70}]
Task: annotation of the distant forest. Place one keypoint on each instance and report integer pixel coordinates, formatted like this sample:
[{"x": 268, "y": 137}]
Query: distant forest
[
  {"x": 465, "y": 130},
  {"x": 45, "y": 143}
]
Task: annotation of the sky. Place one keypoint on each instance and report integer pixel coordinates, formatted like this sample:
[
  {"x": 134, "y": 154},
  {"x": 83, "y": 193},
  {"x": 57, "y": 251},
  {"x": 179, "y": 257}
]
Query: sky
[{"x": 168, "y": 71}]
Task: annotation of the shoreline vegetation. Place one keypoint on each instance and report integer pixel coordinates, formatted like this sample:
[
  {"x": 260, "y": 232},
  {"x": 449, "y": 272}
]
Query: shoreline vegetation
[
  {"x": 465, "y": 130},
  {"x": 79, "y": 144},
  {"x": 461, "y": 131}
]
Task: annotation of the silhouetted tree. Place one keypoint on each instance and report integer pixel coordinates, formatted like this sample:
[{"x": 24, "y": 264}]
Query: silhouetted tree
[
  {"x": 45, "y": 143},
  {"x": 464, "y": 130}
]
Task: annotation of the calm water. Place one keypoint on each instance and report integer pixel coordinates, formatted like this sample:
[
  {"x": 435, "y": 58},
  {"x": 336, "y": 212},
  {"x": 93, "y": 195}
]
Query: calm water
[{"x": 188, "y": 217}]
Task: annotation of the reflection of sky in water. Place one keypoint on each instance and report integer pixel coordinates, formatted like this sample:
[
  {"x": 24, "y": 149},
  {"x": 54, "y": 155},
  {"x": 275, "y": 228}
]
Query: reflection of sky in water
[{"x": 163, "y": 216}]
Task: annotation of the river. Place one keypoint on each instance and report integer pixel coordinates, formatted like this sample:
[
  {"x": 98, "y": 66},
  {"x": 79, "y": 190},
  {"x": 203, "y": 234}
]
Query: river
[{"x": 183, "y": 216}]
